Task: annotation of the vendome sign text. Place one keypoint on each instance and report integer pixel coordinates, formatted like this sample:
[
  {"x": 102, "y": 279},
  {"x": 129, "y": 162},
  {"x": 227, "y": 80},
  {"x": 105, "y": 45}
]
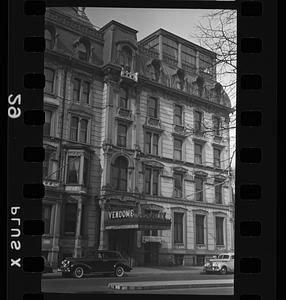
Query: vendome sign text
[{"x": 119, "y": 214}]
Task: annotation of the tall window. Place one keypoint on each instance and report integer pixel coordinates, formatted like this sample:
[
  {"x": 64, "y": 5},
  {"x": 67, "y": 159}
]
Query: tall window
[
  {"x": 49, "y": 39},
  {"x": 79, "y": 130},
  {"x": 152, "y": 107},
  {"x": 119, "y": 174},
  {"x": 200, "y": 230},
  {"x": 49, "y": 80},
  {"x": 206, "y": 65},
  {"x": 74, "y": 128},
  {"x": 85, "y": 91},
  {"x": 217, "y": 125},
  {"x": 178, "y": 149},
  {"x": 198, "y": 154},
  {"x": 151, "y": 143},
  {"x": 46, "y": 164},
  {"x": 76, "y": 89},
  {"x": 170, "y": 51},
  {"x": 219, "y": 231},
  {"x": 178, "y": 115},
  {"x": 217, "y": 153},
  {"x": 188, "y": 59},
  {"x": 126, "y": 58},
  {"x": 178, "y": 227},
  {"x": 153, "y": 46},
  {"x": 123, "y": 101},
  {"x": 73, "y": 169},
  {"x": 83, "y": 131},
  {"x": 199, "y": 189},
  {"x": 178, "y": 185},
  {"x": 47, "y": 210},
  {"x": 198, "y": 121},
  {"x": 218, "y": 192},
  {"x": 47, "y": 125},
  {"x": 121, "y": 135},
  {"x": 82, "y": 52},
  {"x": 151, "y": 181},
  {"x": 70, "y": 218}
]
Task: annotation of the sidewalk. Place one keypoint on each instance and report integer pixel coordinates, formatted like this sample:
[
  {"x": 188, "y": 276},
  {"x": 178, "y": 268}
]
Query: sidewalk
[
  {"x": 155, "y": 285},
  {"x": 142, "y": 270}
]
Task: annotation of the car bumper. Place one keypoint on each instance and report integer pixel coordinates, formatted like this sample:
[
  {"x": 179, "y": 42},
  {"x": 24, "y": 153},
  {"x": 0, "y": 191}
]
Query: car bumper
[{"x": 211, "y": 269}]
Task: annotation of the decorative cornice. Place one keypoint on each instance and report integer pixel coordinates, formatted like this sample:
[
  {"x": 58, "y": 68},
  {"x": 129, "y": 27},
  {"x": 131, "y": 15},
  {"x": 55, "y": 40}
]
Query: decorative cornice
[{"x": 70, "y": 24}]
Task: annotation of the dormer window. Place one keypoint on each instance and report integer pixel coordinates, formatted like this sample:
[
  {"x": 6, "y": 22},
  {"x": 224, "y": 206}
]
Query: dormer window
[
  {"x": 82, "y": 51},
  {"x": 126, "y": 58}
]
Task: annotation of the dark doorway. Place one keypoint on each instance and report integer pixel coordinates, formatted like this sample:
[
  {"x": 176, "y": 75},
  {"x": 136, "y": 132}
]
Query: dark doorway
[
  {"x": 151, "y": 254},
  {"x": 122, "y": 241}
]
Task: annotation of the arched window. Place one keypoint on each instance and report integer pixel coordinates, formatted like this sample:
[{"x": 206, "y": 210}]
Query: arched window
[
  {"x": 126, "y": 58},
  {"x": 49, "y": 39},
  {"x": 82, "y": 52},
  {"x": 119, "y": 174}
]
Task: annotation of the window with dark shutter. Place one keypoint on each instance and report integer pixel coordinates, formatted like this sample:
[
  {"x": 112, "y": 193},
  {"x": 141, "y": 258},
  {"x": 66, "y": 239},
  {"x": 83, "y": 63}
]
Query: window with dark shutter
[
  {"x": 219, "y": 231},
  {"x": 217, "y": 153},
  {"x": 119, "y": 174},
  {"x": 178, "y": 227},
  {"x": 121, "y": 135},
  {"x": 152, "y": 107},
  {"x": 74, "y": 128},
  {"x": 178, "y": 185},
  {"x": 178, "y": 115},
  {"x": 76, "y": 89},
  {"x": 70, "y": 218},
  {"x": 199, "y": 189},
  {"x": 178, "y": 149},
  {"x": 49, "y": 80},
  {"x": 200, "y": 231},
  {"x": 198, "y": 154}
]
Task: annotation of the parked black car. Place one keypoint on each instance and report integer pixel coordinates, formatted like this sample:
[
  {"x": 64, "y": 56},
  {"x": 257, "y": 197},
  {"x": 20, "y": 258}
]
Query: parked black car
[{"x": 100, "y": 262}]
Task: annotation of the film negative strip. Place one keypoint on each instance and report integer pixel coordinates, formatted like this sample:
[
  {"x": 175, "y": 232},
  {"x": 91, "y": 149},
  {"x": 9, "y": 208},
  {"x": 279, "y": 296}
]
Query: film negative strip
[{"x": 109, "y": 162}]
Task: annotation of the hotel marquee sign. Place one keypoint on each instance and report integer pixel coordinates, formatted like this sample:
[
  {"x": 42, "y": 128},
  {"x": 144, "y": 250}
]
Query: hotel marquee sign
[{"x": 120, "y": 214}]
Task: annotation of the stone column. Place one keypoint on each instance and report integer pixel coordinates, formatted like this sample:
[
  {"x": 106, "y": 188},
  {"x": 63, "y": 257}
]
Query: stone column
[
  {"x": 160, "y": 47},
  {"x": 56, "y": 234},
  {"x": 180, "y": 55},
  {"x": 77, "y": 248},
  {"x": 103, "y": 241},
  {"x": 197, "y": 62}
]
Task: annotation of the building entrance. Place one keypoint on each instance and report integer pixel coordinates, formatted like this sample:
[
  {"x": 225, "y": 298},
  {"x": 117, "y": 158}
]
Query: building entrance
[
  {"x": 151, "y": 254},
  {"x": 123, "y": 240}
]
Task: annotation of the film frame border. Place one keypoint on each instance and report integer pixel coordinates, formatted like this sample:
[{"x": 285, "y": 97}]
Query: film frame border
[{"x": 249, "y": 192}]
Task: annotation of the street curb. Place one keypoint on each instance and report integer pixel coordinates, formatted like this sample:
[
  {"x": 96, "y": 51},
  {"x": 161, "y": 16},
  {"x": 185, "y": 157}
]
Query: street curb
[{"x": 174, "y": 286}]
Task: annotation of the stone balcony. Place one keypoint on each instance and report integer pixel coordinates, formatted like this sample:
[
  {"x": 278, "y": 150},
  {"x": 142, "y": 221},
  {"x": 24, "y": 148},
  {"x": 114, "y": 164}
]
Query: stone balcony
[{"x": 124, "y": 114}]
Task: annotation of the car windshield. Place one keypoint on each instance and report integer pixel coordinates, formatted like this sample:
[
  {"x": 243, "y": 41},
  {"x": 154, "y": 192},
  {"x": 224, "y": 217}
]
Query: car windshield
[{"x": 223, "y": 256}]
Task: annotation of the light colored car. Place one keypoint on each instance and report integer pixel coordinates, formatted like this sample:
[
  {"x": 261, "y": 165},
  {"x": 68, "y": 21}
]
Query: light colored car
[{"x": 223, "y": 264}]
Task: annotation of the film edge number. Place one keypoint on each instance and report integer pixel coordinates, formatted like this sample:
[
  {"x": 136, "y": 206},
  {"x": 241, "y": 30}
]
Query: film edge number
[{"x": 14, "y": 112}]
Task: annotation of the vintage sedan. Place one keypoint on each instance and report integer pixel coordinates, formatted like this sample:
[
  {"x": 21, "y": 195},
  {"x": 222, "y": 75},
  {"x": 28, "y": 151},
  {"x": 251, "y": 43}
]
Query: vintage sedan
[
  {"x": 100, "y": 262},
  {"x": 223, "y": 264}
]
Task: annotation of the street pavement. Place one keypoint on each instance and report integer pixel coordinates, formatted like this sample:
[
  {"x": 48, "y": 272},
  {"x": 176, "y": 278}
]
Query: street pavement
[{"x": 164, "y": 280}]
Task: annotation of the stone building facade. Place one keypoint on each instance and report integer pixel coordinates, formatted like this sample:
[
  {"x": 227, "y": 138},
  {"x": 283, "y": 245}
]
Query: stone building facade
[{"x": 137, "y": 145}]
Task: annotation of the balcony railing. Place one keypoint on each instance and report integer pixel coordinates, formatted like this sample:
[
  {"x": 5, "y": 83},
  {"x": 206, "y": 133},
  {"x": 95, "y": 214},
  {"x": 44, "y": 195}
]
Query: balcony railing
[
  {"x": 179, "y": 129},
  {"x": 129, "y": 75},
  {"x": 124, "y": 113},
  {"x": 154, "y": 122},
  {"x": 51, "y": 183}
]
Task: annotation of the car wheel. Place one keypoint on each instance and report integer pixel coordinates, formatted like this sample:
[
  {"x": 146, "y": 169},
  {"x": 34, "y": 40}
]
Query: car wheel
[
  {"x": 119, "y": 271},
  {"x": 78, "y": 272},
  {"x": 223, "y": 270}
]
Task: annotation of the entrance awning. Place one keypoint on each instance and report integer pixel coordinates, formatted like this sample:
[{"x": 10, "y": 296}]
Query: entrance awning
[{"x": 139, "y": 223}]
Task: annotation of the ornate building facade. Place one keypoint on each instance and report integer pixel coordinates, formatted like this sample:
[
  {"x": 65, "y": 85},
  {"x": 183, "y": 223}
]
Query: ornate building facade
[{"x": 137, "y": 145}]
